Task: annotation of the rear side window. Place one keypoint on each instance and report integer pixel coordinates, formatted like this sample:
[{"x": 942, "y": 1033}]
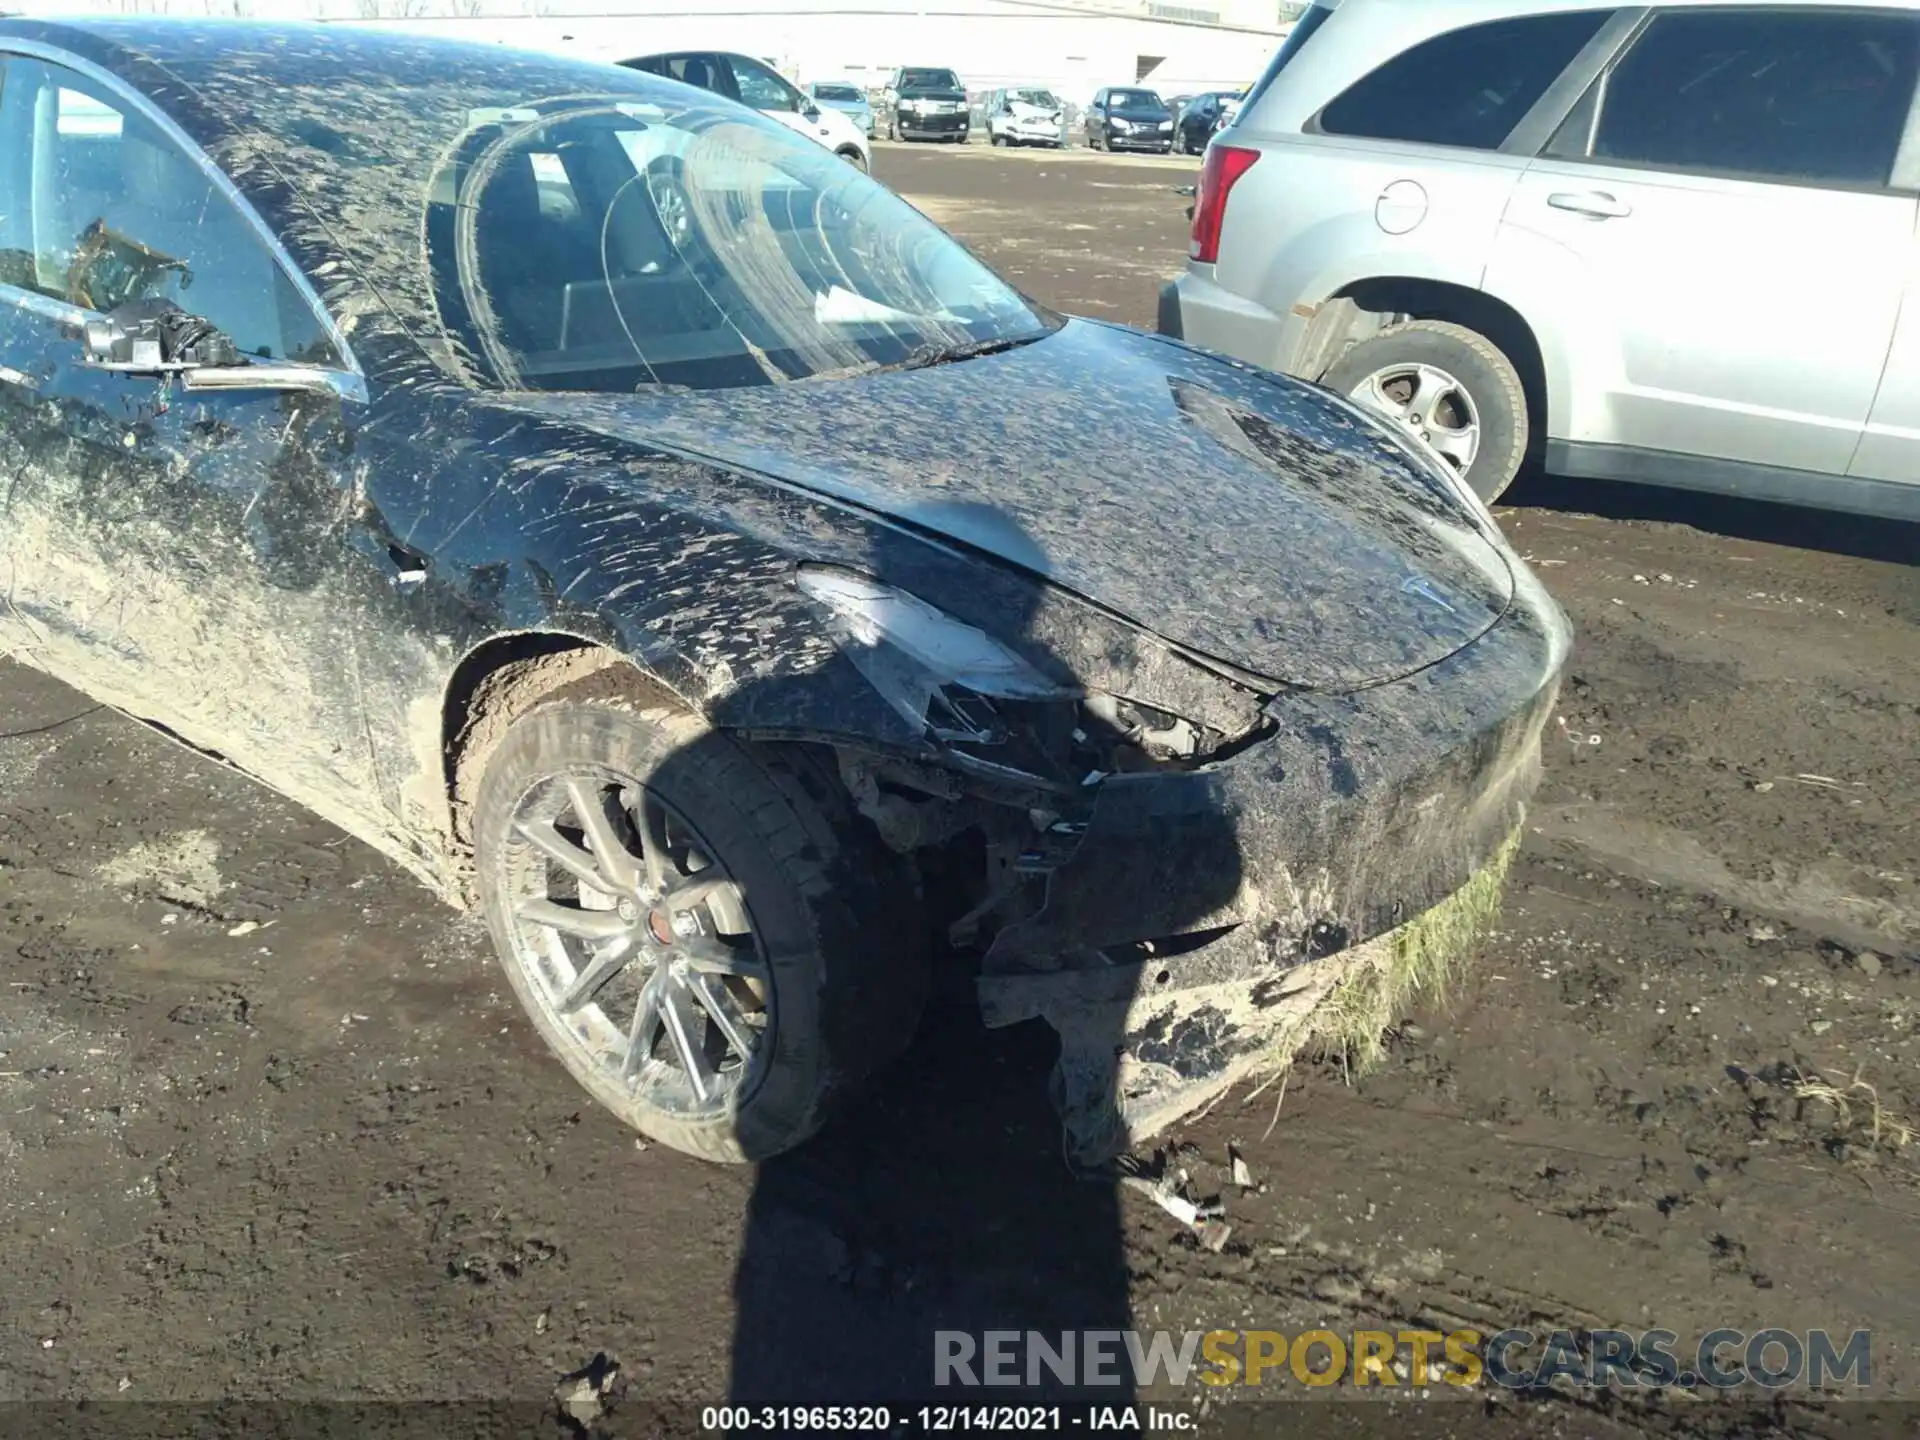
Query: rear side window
[
  {"x": 1813, "y": 96},
  {"x": 1467, "y": 88},
  {"x": 703, "y": 72}
]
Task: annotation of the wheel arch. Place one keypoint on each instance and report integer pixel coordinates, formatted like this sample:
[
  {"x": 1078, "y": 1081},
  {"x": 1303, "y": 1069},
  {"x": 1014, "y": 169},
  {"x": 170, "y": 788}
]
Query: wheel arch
[
  {"x": 499, "y": 680},
  {"x": 1375, "y": 302}
]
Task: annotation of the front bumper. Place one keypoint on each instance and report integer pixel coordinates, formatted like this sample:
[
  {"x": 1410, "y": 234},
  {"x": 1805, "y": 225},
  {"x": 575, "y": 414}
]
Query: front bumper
[
  {"x": 1031, "y": 132},
  {"x": 1195, "y": 898},
  {"x": 1140, "y": 139},
  {"x": 923, "y": 125}
]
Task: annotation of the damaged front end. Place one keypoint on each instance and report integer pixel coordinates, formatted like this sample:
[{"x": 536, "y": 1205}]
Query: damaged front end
[{"x": 1189, "y": 903}]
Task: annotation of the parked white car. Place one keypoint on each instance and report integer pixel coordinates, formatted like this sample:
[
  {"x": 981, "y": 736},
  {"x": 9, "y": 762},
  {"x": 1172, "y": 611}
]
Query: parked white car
[
  {"x": 846, "y": 97},
  {"x": 1672, "y": 243},
  {"x": 755, "y": 83},
  {"x": 1025, "y": 116}
]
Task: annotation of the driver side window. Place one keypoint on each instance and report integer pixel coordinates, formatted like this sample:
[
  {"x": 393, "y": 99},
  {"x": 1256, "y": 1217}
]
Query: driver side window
[
  {"x": 762, "y": 89},
  {"x": 98, "y": 208}
]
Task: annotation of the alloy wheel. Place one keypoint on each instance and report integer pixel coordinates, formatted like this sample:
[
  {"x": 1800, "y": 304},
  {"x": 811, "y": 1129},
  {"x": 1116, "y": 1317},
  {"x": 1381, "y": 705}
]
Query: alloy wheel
[
  {"x": 1429, "y": 404},
  {"x": 637, "y": 943}
]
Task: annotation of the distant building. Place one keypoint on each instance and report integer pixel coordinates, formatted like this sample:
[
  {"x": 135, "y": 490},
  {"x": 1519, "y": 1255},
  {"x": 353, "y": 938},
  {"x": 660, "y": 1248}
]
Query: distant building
[{"x": 1070, "y": 46}]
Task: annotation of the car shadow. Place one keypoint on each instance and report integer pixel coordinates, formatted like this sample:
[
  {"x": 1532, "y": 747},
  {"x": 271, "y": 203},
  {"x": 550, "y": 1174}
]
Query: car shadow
[
  {"x": 1862, "y": 537},
  {"x": 943, "y": 1201}
]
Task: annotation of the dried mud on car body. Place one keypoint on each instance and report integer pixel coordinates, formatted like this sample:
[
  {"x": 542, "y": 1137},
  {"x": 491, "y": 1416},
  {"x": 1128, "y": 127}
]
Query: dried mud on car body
[{"x": 328, "y": 1158}]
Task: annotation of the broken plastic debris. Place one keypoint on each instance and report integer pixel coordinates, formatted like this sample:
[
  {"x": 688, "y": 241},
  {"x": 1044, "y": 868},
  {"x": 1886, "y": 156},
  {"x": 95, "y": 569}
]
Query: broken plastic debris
[
  {"x": 1242, "y": 1175},
  {"x": 579, "y": 1400},
  {"x": 1213, "y": 1235},
  {"x": 582, "y": 1396},
  {"x": 245, "y": 927},
  {"x": 1164, "y": 1195}
]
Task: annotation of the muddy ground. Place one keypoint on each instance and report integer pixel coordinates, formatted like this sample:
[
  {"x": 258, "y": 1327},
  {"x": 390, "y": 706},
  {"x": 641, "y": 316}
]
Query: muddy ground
[{"x": 271, "y": 1127}]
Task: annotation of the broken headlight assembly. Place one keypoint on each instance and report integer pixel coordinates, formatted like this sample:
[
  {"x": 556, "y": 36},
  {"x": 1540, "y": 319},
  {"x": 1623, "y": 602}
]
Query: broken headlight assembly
[
  {"x": 876, "y": 614},
  {"x": 990, "y": 709}
]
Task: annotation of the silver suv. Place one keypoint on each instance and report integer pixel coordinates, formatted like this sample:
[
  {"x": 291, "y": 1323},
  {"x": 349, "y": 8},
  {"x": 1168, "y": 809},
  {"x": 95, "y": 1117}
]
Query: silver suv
[{"x": 1665, "y": 243}]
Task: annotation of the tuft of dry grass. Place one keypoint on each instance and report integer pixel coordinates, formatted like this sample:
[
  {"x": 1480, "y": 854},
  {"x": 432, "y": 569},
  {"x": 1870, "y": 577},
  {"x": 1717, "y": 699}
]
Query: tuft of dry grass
[
  {"x": 1856, "y": 1107},
  {"x": 1420, "y": 962}
]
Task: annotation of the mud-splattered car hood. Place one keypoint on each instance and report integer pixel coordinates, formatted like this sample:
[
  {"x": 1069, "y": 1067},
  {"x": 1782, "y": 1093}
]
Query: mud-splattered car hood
[{"x": 1258, "y": 522}]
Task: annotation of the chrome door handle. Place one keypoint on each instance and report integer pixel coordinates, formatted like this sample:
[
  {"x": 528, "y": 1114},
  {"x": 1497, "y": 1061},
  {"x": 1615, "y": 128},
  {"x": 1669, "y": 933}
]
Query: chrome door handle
[{"x": 1595, "y": 204}]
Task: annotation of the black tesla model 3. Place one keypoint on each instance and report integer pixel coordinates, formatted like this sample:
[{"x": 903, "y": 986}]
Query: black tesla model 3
[{"x": 659, "y": 536}]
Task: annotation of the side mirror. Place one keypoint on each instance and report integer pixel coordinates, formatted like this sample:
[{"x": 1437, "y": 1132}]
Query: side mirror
[
  {"x": 158, "y": 338},
  {"x": 810, "y": 111},
  {"x": 155, "y": 337}
]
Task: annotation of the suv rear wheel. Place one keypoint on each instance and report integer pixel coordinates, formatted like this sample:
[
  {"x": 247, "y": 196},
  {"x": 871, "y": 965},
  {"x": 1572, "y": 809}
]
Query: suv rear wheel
[{"x": 1449, "y": 386}]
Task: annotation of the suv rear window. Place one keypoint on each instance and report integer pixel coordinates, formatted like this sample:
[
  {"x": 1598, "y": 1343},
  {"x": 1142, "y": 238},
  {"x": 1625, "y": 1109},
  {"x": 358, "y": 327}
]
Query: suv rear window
[
  {"x": 1466, "y": 88},
  {"x": 1819, "y": 96}
]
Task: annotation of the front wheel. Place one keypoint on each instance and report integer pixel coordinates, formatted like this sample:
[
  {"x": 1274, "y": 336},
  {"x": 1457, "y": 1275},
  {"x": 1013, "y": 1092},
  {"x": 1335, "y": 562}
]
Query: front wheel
[
  {"x": 855, "y": 159},
  {"x": 697, "y": 926},
  {"x": 999, "y": 141},
  {"x": 1449, "y": 387}
]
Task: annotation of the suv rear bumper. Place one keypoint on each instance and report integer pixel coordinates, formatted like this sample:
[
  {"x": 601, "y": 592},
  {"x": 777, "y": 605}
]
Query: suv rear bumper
[{"x": 1197, "y": 309}]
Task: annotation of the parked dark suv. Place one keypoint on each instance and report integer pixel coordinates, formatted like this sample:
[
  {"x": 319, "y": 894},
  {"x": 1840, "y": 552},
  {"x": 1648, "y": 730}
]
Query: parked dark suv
[
  {"x": 926, "y": 103},
  {"x": 1124, "y": 118}
]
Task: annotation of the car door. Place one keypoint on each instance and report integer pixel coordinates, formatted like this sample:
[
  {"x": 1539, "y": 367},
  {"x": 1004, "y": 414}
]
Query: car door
[
  {"x": 192, "y": 555},
  {"x": 1198, "y": 126},
  {"x": 760, "y": 87},
  {"x": 1097, "y": 115},
  {"x": 1719, "y": 233},
  {"x": 1890, "y": 449}
]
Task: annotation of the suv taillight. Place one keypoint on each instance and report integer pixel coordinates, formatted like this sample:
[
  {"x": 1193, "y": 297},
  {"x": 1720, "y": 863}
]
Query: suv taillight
[{"x": 1224, "y": 165}]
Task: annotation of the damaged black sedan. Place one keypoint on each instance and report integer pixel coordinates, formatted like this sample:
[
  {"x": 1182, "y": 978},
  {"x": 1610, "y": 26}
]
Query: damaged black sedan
[{"x": 656, "y": 534}]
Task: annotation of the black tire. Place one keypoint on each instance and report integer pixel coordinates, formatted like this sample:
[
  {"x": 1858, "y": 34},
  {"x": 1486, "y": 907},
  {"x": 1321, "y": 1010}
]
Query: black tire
[
  {"x": 999, "y": 141},
  {"x": 842, "y": 949},
  {"x": 1481, "y": 369}
]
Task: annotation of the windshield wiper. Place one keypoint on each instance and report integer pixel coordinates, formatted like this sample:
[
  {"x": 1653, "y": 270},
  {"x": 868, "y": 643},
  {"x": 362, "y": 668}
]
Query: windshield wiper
[{"x": 925, "y": 357}]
